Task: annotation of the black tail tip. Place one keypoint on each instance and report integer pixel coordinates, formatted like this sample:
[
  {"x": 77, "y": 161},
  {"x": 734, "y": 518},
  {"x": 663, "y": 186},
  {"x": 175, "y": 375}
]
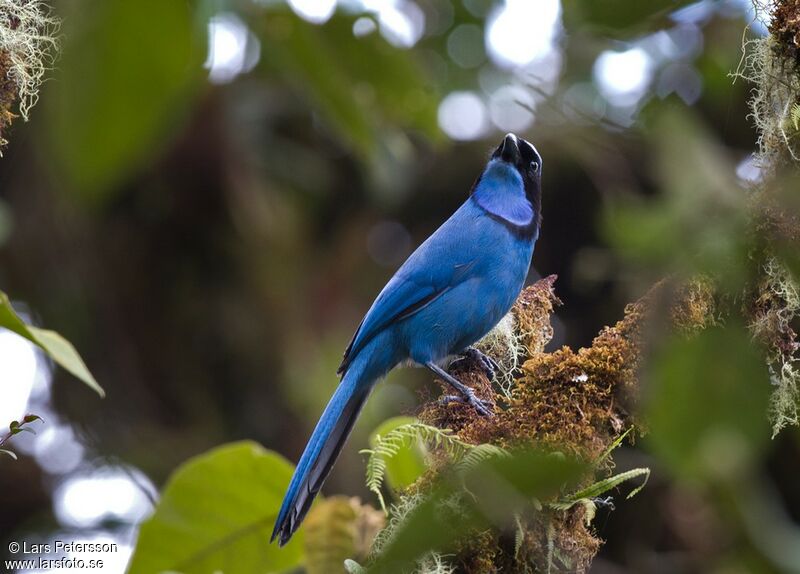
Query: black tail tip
[{"x": 283, "y": 533}]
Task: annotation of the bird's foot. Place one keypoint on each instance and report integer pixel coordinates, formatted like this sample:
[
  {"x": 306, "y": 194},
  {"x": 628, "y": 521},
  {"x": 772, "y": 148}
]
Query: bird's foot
[
  {"x": 488, "y": 365},
  {"x": 484, "y": 408},
  {"x": 467, "y": 396},
  {"x": 607, "y": 502}
]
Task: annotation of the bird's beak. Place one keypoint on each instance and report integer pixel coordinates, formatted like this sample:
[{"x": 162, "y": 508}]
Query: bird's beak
[{"x": 508, "y": 150}]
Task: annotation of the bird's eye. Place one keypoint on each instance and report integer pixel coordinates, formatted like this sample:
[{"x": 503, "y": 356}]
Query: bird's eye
[{"x": 534, "y": 167}]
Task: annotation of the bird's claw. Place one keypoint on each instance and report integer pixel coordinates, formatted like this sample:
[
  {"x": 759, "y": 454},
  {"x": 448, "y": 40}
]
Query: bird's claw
[
  {"x": 607, "y": 502},
  {"x": 484, "y": 408},
  {"x": 487, "y": 364}
]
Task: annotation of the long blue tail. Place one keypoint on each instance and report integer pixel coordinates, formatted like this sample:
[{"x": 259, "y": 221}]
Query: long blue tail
[{"x": 324, "y": 446}]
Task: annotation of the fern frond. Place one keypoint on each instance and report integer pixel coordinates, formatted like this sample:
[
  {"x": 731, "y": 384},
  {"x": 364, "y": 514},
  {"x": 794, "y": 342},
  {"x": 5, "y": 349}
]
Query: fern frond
[
  {"x": 376, "y": 470},
  {"x": 613, "y": 446},
  {"x": 391, "y": 443},
  {"x": 479, "y": 453}
]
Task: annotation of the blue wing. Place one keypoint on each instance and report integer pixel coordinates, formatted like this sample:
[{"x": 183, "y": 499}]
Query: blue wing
[{"x": 443, "y": 261}]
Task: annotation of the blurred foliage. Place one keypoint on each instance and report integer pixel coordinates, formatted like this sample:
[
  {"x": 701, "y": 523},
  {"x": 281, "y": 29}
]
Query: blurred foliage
[
  {"x": 620, "y": 19},
  {"x": 56, "y": 346},
  {"x": 365, "y": 88},
  {"x": 707, "y": 401},
  {"x": 336, "y": 529},
  {"x": 114, "y": 107},
  {"x": 490, "y": 492},
  {"x": 216, "y": 514},
  {"x": 698, "y": 223}
]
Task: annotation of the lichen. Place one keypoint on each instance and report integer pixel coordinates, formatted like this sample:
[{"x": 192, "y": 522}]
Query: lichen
[
  {"x": 771, "y": 64},
  {"x": 435, "y": 564},
  {"x": 504, "y": 346},
  {"x": 28, "y": 48},
  {"x": 772, "y": 303}
]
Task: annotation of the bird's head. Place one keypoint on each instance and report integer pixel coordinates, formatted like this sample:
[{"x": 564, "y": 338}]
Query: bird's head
[
  {"x": 510, "y": 186},
  {"x": 519, "y": 154}
]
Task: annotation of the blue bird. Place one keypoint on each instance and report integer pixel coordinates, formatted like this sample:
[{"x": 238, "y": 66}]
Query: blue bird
[{"x": 447, "y": 295}]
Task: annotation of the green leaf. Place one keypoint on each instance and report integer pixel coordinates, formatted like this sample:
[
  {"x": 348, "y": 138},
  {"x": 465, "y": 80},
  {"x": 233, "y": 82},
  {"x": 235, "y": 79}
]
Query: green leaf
[
  {"x": 56, "y": 346},
  {"x": 9, "y": 453},
  {"x": 707, "y": 403},
  {"x": 15, "y": 428},
  {"x": 216, "y": 515},
  {"x": 127, "y": 77}
]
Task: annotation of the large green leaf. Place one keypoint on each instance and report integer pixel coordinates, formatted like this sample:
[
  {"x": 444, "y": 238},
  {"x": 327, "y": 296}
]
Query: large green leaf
[
  {"x": 124, "y": 84},
  {"x": 216, "y": 515},
  {"x": 56, "y": 346}
]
